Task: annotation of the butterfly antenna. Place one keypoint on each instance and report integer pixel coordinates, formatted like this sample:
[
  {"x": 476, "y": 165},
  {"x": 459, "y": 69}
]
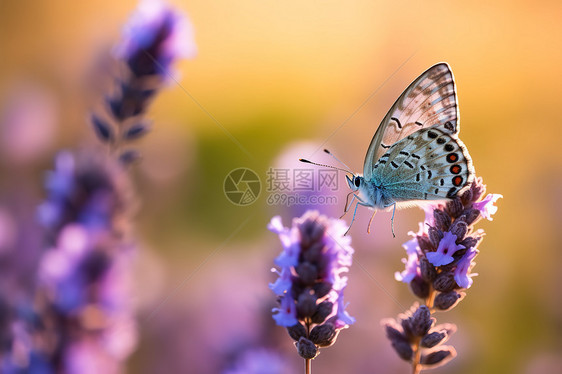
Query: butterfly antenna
[
  {"x": 337, "y": 159},
  {"x": 327, "y": 166}
]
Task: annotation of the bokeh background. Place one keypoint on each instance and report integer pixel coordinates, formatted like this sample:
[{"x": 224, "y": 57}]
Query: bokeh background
[{"x": 284, "y": 78}]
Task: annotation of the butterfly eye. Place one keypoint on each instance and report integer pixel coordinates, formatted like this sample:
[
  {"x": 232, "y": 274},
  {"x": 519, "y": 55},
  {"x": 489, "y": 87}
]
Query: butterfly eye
[{"x": 357, "y": 182}]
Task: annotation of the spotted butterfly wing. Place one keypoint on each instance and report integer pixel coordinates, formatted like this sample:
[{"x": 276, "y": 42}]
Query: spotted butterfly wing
[
  {"x": 428, "y": 101},
  {"x": 416, "y": 154},
  {"x": 430, "y": 164}
]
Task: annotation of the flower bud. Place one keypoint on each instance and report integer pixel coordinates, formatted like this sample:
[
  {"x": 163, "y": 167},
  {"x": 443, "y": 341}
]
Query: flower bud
[
  {"x": 447, "y": 300},
  {"x": 435, "y": 236},
  {"x": 419, "y": 287},
  {"x": 306, "y": 304},
  {"x": 323, "y": 310},
  {"x": 306, "y": 348},
  {"x": 307, "y": 273},
  {"x": 455, "y": 207},
  {"x": 421, "y": 321},
  {"x": 406, "y": 324},
  {"x": 432, "y": 339},
  {"x": 404, "y": 349},
  {"x": 311, "y": 229},
  {"x": 438, "y": 357},
  {"x": 321, "y": 289},
  {"x": 466, "y": 196},
  {"x": 469, "y": 242},
  {"x": 477, "y": 189},
  {"x": 425, "y": 244},
  {"x": 444, "y": 282},
  {"x": 313, "y": 253},
  {"x": 442, "y": 220},
  {"x": 428, "y": 272},
  {"x": 471, "y": 215},
  {"x": 296, "y": 331},
  {"x": 393, "y": 330},
  {"x": 323, "y": 335},
  {"x": 459, "y": 228}
]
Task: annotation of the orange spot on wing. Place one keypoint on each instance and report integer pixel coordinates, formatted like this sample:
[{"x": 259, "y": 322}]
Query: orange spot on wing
[{"x": 457, "y": 180}]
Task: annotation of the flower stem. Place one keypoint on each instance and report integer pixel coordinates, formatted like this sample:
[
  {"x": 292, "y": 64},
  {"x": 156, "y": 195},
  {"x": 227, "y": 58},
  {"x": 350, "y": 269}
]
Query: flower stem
[
  {"x": 416, "y": 367},
  {"x": 430, "y": 299},
  {"x": 307, "y": 361}
]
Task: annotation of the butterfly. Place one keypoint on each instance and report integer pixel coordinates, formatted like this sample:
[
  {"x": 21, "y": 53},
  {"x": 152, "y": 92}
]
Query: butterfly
[{"x": 415, "y": 155}]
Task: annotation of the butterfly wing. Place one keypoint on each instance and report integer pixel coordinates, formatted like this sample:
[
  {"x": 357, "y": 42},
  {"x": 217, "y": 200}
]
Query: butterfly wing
[
  {"x": 430, "y": 164},
  {"x": 428, "y": 101}
]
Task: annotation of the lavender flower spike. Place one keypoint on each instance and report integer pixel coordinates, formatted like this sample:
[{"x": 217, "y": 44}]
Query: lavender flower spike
[
  {"x": 315, "y": 256},
  {"x": 155, "y": 36},
  {"x": 438, "y": 270}
]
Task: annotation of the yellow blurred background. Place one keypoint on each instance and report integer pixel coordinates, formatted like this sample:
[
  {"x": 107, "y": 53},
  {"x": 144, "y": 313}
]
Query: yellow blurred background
[{"x": 272, "y": 73}]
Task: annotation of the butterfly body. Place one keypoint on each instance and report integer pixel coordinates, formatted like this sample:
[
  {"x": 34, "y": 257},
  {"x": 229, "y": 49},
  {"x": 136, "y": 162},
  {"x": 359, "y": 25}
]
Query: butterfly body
[{"x": 415, "y": 155}]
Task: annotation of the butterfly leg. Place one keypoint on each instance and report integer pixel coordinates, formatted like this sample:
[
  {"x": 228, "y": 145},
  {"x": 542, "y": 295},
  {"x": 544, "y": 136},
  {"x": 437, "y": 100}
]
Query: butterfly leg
[
  {"x": 359, "y": 202},
  {"x": 370, "y": 221},
  {"x": 392, "y": 220},
  {"x": 353, "y": 218},
  {"x": 348, "y": 204}
]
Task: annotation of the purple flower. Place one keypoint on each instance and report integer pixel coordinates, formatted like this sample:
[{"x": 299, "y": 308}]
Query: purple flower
[
  {"x": 411, "y": 271},
  {"x": 343, "y": 319},
  {"x": 154, "y": 36},
  {"x": 83, "y": 283},
  {"x": 412, "y": 262},
  {"x": 259, "y": 361},
  {"x": 315, "y": 257},
  {"x": 444, "y": 254},
  {"x": 289, "y": 239},
  {"x": 286, "y": 314},
  {"x": 283, "y": 283},
  {"x": 412, "y": 246},
  {"x": 462, "y": 275},
  {"x": 87, "y": 189},
  {"x": 59, "y": 185},
  {"x": 487, "y": 206},
  {"x": 414, "y": 331},
  {"x": 438, "y": 269}
]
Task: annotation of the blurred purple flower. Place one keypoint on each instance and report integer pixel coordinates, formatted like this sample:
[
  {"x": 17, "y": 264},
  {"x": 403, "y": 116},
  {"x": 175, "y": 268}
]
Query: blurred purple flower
[
  {"x": 28, "y": 120},
  {"x": 283, "y": 283},
  {"x": 82, "y": 319},
  {"x": 259, "y": 361},
  {"x": 343, "y": 319},
  {"x": 286, "y": 314},
  {"x": 83, "y": 305},
  {"x": 155, "y": 36},
  {"x": 86, "y": 189},
  {"x": 310, "y": 287}
]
